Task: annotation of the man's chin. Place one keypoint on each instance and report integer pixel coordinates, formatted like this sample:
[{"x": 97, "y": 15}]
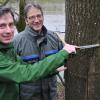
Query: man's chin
[
  {"x": 7, "y": 42},
  {"x": 37, "y": 29}
]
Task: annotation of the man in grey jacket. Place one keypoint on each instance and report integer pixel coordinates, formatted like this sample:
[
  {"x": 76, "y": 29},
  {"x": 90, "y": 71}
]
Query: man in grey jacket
[{"x": 34, "y": 44}]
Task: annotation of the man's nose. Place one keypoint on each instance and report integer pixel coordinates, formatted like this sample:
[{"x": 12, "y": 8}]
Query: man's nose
[
  {"x": 36, "y": 19},
  {"x": 8, "y": 29}
]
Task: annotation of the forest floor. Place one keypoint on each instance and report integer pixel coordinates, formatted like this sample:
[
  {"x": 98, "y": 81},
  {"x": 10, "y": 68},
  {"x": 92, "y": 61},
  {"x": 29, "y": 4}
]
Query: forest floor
[{"x": 60, "y": 91}]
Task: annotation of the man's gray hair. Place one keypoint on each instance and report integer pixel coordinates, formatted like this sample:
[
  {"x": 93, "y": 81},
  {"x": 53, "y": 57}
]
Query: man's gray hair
[{"x": 28, "y": 6}]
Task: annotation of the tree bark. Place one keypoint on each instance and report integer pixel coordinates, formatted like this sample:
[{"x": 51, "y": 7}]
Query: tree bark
[
  {"x": 21, "y": 22},
  {"x": 83, "y": 28}
]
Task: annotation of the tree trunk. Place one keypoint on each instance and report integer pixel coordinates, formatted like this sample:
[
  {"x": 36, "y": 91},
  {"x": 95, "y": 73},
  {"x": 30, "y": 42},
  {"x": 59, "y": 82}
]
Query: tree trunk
[
  {"x": 83, "y": 28},
  {"x": 21, "y": 22}
]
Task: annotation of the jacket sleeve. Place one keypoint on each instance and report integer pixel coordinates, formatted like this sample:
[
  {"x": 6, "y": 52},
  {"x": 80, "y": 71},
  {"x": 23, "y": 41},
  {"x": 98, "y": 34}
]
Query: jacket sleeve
[{"x": 17, "y": 72}]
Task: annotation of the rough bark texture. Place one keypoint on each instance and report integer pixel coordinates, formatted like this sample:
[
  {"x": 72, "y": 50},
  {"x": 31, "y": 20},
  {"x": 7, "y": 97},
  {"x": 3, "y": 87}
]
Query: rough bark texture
[{"x": 82, "y": 28}]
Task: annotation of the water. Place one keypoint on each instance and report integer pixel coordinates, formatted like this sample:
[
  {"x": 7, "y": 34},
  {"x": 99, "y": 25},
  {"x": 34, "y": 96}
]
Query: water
[
  {"x": 54, "y": 16},
  {"x": 55, "y": 22}
]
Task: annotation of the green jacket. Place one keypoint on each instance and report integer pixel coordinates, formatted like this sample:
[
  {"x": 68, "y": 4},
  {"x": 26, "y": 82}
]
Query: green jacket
[{"x": 12, "y": 71}]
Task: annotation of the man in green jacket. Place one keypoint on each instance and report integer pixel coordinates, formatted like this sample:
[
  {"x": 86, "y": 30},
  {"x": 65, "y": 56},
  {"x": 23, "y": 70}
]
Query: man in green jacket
[{"x": 12, "y": 71}]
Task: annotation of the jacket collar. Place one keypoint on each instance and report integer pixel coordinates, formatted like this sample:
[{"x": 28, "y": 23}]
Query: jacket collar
[
  {"x": 6, "y": 46},
  {"x": 29, "y": 31},
  {"x": 40, "y": 38}
]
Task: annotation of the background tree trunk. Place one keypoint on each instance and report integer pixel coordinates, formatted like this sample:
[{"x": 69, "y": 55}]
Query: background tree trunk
[
  {"x": 21, "y": 22},
  {"x": 82, "y": 28}
]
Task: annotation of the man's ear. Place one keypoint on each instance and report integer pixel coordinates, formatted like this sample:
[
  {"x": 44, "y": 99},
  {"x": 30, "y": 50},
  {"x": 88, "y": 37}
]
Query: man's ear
[{"x": 26, "y": 21}]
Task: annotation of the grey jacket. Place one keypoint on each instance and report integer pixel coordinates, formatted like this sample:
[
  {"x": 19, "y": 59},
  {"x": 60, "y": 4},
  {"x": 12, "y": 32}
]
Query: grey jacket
[{"x": 32, "y": 47}]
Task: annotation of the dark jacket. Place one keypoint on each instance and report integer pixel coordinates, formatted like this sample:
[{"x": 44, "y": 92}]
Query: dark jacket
[
  {"x": 32, "y": 47},
  {"x": 13, "y": 72}
]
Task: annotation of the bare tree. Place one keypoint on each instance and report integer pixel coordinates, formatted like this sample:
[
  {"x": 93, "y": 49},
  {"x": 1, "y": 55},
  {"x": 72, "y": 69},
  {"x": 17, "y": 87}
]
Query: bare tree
[{"x": 83, "y": 28}]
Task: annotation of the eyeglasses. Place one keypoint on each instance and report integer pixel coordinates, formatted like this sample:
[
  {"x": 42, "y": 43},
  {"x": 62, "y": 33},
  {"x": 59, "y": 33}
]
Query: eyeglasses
[{"x": 39, "y": 16}]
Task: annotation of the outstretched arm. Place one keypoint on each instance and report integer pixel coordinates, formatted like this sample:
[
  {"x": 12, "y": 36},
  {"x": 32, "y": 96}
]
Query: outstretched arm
[{"x": 17, "y": 72}]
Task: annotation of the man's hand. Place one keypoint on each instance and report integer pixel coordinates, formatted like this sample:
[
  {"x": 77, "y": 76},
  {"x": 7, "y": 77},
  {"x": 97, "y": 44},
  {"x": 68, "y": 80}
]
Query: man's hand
[
  {"x": 62, "y": 68},
  {"x": 70, "y": 48}
]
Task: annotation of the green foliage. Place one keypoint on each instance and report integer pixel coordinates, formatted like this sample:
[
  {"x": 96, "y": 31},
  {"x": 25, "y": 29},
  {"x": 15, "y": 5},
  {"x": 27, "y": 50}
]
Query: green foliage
[{"x": 3, "y": 2}]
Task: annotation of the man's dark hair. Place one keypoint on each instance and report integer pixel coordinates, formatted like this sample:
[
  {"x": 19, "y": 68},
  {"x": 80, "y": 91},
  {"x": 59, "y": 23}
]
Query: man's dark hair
[
  {"x": 28, "y": 6},
  {"x": 5, "y": 10}
]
